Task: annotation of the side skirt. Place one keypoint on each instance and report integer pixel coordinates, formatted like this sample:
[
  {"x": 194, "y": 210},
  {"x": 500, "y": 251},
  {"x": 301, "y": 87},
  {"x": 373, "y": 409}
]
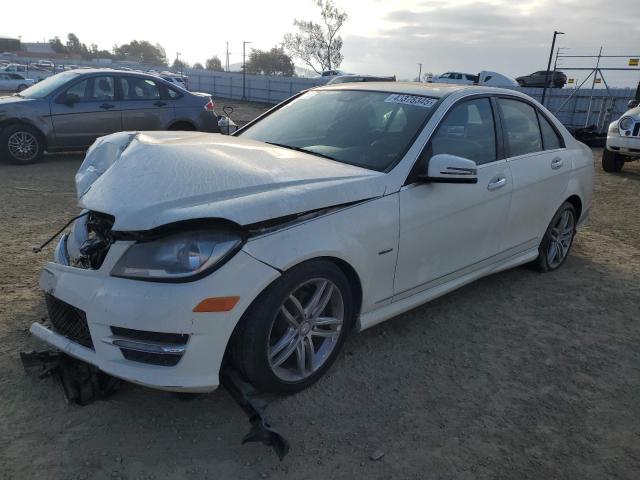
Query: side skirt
[{"x": 401, "y": 304}]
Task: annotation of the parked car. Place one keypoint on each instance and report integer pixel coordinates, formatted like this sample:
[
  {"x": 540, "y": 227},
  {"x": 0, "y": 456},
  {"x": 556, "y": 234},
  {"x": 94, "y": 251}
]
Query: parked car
[
  {"x": 485, "y": 78},
  {"x": 68, "y": 111},
  {"x": 14, "y": 82},
  {"x": 623, "y": 140},
  {"x": 333, "y": 73},
  {"x": 359, "y": 78},
  {"x": 456, "y": 78},
  {"x": 336, "y": 210},
  {"x": 181, "y": 82},
  {"x": 15, "y": 68},
  {"x": 556, "y": 79}
]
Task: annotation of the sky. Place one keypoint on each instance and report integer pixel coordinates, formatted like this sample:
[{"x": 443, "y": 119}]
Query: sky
[{"x": 380, "y": 36}]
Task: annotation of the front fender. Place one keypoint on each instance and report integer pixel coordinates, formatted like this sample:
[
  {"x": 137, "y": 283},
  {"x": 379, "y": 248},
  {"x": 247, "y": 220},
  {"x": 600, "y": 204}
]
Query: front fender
[{"x": 365, "y": 236}]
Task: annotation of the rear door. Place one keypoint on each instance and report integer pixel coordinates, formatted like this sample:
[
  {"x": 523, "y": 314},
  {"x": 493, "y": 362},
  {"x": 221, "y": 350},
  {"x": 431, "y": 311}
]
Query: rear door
[
  {"x": 536, "y": 154},
  {"x": 86, "y": 110},
  {"x": 144, "y": 104}
]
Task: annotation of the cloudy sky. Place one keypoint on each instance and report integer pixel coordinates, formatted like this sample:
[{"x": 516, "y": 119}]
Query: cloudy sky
[{"x": 384, "y": 37}]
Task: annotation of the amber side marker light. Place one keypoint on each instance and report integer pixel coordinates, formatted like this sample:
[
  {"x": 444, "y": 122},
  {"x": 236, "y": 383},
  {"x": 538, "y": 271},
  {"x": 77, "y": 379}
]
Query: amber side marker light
[{"x": 216, "y": 304}]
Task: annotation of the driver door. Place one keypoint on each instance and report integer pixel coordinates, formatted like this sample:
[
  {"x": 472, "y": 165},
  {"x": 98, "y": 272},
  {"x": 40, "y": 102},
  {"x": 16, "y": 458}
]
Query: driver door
[
  {"x": 448, "y": 230},
  {"x": 85, "y": 111}
]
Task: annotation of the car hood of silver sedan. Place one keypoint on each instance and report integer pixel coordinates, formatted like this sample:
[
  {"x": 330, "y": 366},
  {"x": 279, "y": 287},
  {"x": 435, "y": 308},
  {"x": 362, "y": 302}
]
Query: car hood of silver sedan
[{"x": 149, "y": 179}]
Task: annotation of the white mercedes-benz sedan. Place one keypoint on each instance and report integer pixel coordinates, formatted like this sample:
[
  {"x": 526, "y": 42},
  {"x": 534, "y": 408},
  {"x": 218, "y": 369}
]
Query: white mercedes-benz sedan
[{"x": 338, "y": 209}]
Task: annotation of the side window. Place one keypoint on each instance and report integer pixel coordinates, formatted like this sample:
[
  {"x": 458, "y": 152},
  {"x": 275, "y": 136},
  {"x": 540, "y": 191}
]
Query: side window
[
  {"x": 101, "y": 89},
  {"x": 467, "y": 131},
  {"x": 456, "y": 76},
  {"x": 173, "y": 94},
  {"x": 445, "y": 75},
  {"x": 134, "y": 88},
  {"x": 550, "y": 138},
  {"x": 79, "y": 91},
  {"x": 522, "y": 134}
]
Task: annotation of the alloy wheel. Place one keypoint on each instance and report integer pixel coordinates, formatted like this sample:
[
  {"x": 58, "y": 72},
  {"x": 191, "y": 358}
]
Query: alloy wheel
[
  {"x": 23, "y": 146},
  {"x": 560, "y": 238},
  {"x": 306, "y": 330}
]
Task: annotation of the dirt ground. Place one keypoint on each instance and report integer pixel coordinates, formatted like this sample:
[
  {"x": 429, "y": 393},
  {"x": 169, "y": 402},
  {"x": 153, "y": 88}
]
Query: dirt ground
[{"x": 517, "y": 376}]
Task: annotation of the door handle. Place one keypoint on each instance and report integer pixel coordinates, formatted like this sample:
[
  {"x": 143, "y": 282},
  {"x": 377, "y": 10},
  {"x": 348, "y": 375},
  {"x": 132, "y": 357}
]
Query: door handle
[
  {"x": 106, "y": 106},
  {"x": 556, "y": 163},
  {"x": 160, "y": 104},
  {"x": 497, "y": 182}
]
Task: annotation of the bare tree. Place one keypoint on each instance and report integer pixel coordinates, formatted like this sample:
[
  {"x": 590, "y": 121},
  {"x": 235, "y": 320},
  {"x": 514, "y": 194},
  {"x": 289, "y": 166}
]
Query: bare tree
[{"x": 318, "y": 45}]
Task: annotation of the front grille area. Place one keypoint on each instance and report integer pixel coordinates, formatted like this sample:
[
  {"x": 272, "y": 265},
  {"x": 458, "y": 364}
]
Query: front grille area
[
  {"x": 68, "y": 320},
  {"x": 144, "y": 345}
]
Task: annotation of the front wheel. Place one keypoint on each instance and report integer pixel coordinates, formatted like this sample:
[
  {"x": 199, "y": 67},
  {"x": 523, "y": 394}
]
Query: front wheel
[
  {"x": 21, "y": 144},
  {"x": 611, "y": 161},
  {"x": 558, "y": 239},
  {"x": 294, "y": 330}
]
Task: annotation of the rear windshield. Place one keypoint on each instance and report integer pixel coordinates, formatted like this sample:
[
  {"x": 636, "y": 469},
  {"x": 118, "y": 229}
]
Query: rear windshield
[
  {"x": 368, "y": 129},
  {"x": 48, "y": 85}
]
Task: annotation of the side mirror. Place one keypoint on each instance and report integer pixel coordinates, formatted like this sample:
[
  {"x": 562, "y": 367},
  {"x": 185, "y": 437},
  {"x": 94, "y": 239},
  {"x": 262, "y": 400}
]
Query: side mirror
[
  {"x": 445, "y": 168},
  {"x": 68, "y": 99},
  {"x": 633, "y": 103}
]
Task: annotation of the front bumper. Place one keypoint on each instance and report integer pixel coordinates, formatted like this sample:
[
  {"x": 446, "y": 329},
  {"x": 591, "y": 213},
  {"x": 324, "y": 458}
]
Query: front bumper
[
  {"x": 624, "y": 145},
  {"x": 153, "y": 307}
]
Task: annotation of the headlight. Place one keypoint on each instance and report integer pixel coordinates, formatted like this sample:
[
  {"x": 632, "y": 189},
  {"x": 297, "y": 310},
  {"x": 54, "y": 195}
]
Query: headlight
[
  {"x": 613, "y": 127},
  {"x": 626, "y": 123},
  {"x": 177, "y": 257}
]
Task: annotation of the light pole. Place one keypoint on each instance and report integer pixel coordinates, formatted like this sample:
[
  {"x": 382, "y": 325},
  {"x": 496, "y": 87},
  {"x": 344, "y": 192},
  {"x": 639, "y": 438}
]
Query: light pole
[
  {"x": 178, "y": 60},
  {"x": 244, "y": 69},
  {"x": 546, "y": 75},
  {"x": 420, "y": 73}
]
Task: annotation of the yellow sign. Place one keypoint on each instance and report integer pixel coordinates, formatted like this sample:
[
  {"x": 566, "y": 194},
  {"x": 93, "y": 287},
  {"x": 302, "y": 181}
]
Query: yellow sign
[
  {"x": 571, "y": 80},
  {"x": 633, "y": 62},
  {"x": 598, "y": 80}
]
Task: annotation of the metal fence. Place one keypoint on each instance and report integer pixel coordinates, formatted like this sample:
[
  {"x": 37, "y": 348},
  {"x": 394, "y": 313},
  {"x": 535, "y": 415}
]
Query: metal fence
[
  {"x": 257, "y": 88},
  {"x": 580, "y": 108}
]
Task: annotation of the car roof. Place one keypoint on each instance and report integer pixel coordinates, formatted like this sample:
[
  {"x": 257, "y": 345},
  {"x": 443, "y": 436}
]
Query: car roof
[{"x": 437, "y": 90}]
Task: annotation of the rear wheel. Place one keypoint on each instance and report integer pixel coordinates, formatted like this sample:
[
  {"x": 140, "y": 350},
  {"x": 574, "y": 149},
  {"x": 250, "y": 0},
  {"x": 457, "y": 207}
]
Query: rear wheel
[
  {"x": 21, "y": 88},
  {"x": 294, "y": 330},
  {"x": 558, "y": 239},
  {"x": 21, "y": 144},
  {"x": 182, "y": 127},
  {"x": 611, "y": 161}
]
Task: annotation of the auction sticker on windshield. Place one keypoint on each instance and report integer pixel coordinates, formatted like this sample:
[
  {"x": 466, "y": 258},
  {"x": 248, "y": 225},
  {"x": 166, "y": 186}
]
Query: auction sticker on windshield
[{"x": 416, "y": 100}]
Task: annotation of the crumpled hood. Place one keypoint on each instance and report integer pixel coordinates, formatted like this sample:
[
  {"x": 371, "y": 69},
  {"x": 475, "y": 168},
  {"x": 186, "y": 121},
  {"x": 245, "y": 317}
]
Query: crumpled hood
[{"x": 150, "y": 179}]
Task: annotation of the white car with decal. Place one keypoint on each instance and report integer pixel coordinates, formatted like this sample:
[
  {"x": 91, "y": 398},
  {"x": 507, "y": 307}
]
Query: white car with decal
[
  {"x": 623, "y": 140},
  {"x": 336, "y": 210}
]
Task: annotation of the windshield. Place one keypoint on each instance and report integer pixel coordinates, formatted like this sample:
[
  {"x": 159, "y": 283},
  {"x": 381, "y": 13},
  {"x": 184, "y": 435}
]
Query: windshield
[
  {"x": 368, "y": 129},
  {"x": 48, "y": 85}
]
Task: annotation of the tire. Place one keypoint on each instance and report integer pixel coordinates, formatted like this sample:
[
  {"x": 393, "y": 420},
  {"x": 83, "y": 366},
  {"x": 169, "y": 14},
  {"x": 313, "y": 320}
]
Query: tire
[
  {"x": 182, "y": 127},
  {"x": 558, "y": 240},
  {"x": 611, "y": 161},
  {"x": 268, "y": 347},
  {"x": 21, "y": 144},
  {"x": 21, "y": 87}
]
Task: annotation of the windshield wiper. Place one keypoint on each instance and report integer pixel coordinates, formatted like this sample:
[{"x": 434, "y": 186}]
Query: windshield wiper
[{"x": 304, "y": 150}]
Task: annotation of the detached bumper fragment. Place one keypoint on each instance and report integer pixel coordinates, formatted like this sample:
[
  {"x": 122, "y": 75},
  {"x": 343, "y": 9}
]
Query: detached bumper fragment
[{"x": 81, "y": 383}]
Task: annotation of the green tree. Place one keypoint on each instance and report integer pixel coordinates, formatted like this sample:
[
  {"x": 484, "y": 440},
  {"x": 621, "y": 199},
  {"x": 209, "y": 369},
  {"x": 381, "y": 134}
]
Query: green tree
[
  {"x": 197, "y": 66},
  {"x": 141, "y": 51},
  {"x": 179, "y": 64},
  {"x": 318, "y": 45},
  {"x": 57, "y": 45},
  {"x": 214, "y": 64},
  {"x": 272, "y": 62},
  {"x": 74, "y": 45}
]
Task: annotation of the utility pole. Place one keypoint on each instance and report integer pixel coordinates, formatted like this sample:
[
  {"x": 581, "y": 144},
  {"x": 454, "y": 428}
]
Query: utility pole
[
  {"x": 244, "y": 69},
  {"x": 546, "y": 76},
  {"x": 420, "y": 73},
  {"x": 227, "y": 63}
]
